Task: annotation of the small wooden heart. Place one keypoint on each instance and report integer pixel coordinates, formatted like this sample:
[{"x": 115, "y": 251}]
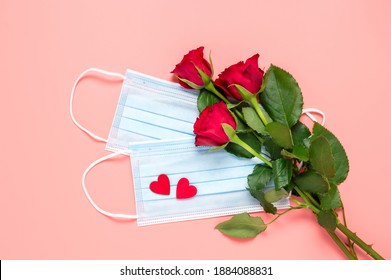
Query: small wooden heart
[
  {"x": 161, "y": 186},
  {"x": 184, "y": 189}
]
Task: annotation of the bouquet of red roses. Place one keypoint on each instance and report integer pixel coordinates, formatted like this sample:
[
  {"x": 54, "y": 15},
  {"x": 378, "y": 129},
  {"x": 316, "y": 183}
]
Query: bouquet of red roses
[{"x": 252, "y": 113}]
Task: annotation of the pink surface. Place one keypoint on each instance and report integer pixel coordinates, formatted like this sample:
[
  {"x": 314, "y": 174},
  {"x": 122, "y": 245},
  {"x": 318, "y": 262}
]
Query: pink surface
[{"x": 339, "y": 51}]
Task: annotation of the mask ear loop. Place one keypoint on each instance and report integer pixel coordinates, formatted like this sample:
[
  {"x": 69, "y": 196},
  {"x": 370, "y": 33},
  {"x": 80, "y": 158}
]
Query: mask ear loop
[
  {"x": 112, "y": 74},
  {"x": 83, "y": 182},
  {"x": 309, "y": 112}
]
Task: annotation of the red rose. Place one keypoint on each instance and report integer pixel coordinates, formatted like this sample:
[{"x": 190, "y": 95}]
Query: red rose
[
  {"x": 247, "y": 74},
  {"x": 186, "y": 68},
  {"x": 208, "y": 126}
]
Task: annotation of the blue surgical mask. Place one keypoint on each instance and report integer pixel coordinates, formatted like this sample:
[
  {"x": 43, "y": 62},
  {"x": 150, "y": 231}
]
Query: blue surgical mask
[
  {"x": 148, "y": 109},
  {"x": 220, "y": 179}
]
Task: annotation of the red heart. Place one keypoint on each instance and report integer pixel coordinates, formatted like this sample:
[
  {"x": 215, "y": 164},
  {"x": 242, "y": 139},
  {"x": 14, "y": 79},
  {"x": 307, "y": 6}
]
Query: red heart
[
  {"x": 184, "y": 189},
  {"x": 161, "y": 186}
]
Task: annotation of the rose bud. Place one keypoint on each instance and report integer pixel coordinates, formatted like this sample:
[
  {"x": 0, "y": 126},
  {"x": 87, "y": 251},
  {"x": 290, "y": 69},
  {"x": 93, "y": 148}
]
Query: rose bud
[
  {"x": 208, "y": 127},
  {"x": 193, "y": 71},
  {"x": 246, "y": 74}
]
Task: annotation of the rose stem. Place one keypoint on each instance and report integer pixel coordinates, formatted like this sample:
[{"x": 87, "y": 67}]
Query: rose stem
[
  {"x": 235, "y": 139},
  {"x": 211, "y": 88},
  {"x": 341, "y": 245},
  {"x": 255, "y": 104},
  {"x": 349, "y": 234},
  {"x": 357, "y": 240}
]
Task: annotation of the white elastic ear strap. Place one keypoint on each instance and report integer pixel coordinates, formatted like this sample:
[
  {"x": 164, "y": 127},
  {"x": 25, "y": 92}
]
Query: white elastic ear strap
[
  {"x": 309, "y": 112},
  {"x": 83, "y": 182},
  {"x": 112, "y": 74}
]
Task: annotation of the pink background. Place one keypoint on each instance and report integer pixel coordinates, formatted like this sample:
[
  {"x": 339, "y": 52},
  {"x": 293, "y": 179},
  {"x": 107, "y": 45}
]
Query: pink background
[{"x": 339, "y": 51}]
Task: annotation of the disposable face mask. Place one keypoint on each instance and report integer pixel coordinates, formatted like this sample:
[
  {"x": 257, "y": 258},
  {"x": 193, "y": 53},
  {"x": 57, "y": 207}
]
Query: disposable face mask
[
  {"x": 220, "y": 180},
  {"x": 148, "y": 109},
  {"x": 151, "y": 109}
]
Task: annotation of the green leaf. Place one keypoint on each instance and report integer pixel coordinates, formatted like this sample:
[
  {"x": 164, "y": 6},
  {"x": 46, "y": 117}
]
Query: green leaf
[
  {"x": 206, "y": 98},
  {"x": 281, "y": 134},
  {"x": 234, "y": 105},
  {"x": 274, "y": 195},
  {"x": 290, "y": 188},
  {"x": 267, "y": 117},
  {"x": 300, "y": 132},
  {"x": 260, "y": 177},
  {"x": 260, "y": 196},
  {"x": 241, "y": 126},
  {"x": 327, "y": 219},
  {"x": 244, "y": 93},
  {"x": 272, "y": 148},
  {"x": 282, "y": 172},
  {"x": 250, "y": 139},
  {"x": 205, "y": 78},
  {"x": 331, "y": 199},
  {"x": 253, "y": 121},
  {"x": 211, "y": 64},
  {"x": 321, "y": 157},
  {"x": 214, "y": 149},
  {"x": 257, "y": 182},
  {"x": 190, "y": 83},
  {"x": 299, "y": 152},
  {"x": 229, "y": 130},
  {"x": 282, "y": 96},
  {"x": 341, "y": 162},
  {"x": 242, "y": 226},
  {"x": 311, "y": 181}
]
